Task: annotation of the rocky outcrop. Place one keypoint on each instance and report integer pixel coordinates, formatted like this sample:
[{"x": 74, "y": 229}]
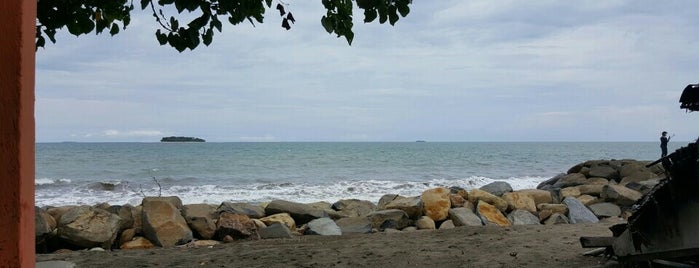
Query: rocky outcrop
[
  {"x": 413, "y": 206},
  {"x": 200, "y": 218},
  {"x": 497, "y": 188},
  {"x": 283, "y": 218},
  {"x": 577, "y": 212},
  {"x": 252, "y": 211},
  {"x": 477, "y": 195},
  {"x": 490, "y": 215},
  {"x": 354, "y": 207},
  {"x": 464, "y": 217},
  {"x": 390, "y": 218}
]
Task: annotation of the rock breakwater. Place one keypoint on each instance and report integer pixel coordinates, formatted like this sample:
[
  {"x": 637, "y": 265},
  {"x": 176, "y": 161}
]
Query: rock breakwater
[{"x": 586, "y": 193}]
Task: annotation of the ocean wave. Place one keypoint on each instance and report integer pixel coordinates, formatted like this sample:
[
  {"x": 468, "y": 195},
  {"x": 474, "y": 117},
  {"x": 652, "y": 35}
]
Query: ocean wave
[
  {"x": 371, "y": 190},
  {"x": 46, "y": 181}
]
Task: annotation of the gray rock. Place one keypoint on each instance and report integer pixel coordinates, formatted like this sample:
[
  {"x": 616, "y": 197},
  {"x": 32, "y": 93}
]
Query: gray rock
[
  {"x": 276, "y": 230},
  {"x": 448, "y": 224},
  {"x": 124, "y": 212},
  {"x": 252, "y": 211},
  {"x": 44, "y": 224},
  {"x": 605, "y": 209},
  {"x": 88, "y": 227},
  {"x": 323, "y": 226},
  {"x": 603, "y": 171},
  {"x": 578, "y": 213},
  {"x": 200, "y": 218},
  {"x": 354, "y": 207},
  {"x": 497, "y": 188},
  {"x": 464, "y": 217},
  {"x": 620, "y": 195},
  {"x": 301, "y": 213},
  {"x": 572, "y": 179},
  {"x": 55, "y": 264},
  {"x": 556, "y": 218},
  {"x": 355, "y": 225},
  {"x": 385, "y": 199},
  {"x": 411, "y": 205},
  {"x": 390, "y": 217},
  {"x": 550, "y": 181},
  {"x": 522, "y": 217}
]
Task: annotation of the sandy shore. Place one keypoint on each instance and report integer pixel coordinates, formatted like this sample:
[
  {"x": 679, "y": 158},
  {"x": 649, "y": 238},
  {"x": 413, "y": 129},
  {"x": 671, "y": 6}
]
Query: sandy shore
[{"x": 486, "y": 246}]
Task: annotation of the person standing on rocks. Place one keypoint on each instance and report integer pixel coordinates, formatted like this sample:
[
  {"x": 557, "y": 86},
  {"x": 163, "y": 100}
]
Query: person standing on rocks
[{"x": 664, "y": 139}]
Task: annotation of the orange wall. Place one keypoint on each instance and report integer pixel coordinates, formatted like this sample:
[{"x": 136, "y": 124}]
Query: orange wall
[{"x": 17, "y": 26}]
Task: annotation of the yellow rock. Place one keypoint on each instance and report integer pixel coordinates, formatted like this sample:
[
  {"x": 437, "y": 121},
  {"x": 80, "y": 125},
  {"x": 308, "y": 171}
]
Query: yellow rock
[
  {"x": 283, "y": 218},
  {"x": 436, "y": 203},
  {"x": 491, "y": 215},
  {"x": 553, "y": 208},
  {"x": 479, "y": 195},
  {"x": 539, "y": 196},
  {"x": 137, "y": 243},
  {"x": 570, "y": 191},
  {"x": 517, "y": 200},
  {"x": 587, "y": 199}
]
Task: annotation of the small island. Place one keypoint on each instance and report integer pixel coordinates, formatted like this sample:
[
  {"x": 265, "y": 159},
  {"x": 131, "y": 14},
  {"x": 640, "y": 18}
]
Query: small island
[{"x": 181, "y": 139}]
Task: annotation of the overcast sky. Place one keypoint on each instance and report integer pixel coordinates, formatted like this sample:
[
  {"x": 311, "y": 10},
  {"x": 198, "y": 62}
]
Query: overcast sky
[{"x": 451, "y": 71}]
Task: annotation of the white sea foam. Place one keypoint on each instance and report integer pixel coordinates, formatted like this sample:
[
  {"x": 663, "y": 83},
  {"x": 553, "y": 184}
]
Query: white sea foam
[
  {"x": 371, "y": 190},
  {"x": 46, "y": 181}
]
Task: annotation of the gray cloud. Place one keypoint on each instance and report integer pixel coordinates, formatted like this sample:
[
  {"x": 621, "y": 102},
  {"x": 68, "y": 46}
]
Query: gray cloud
[{"x": 451, "y": 70}]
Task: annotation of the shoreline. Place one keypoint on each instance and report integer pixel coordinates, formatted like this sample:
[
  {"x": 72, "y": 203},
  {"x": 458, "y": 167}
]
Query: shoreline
[{"x": 584, "y": 201}]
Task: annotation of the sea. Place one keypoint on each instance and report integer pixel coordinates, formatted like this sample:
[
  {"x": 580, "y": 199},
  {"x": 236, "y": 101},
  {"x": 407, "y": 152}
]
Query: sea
[{"x": 211, "y": 172}]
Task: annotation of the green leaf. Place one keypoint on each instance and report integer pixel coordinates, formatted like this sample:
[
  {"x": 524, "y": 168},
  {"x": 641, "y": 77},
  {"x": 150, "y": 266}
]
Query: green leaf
[
  {"x": 349, "y": 35},
  {"x": 370, "y": 15},
  {"x": 162, "y": 38},
  {"x": 114, "y": 30},
  {"x": 40, "y": 41},
  {"x": 144, "y": 4},
  {"x": 208, "y": 37},
  {"x": 269, "y": 3},
  {"x": 392, "y": 16},
  {"x": 217, "y": 24},
  {"x": 174, "y": 24},
  {"x": 327, "y": 24},
  {"x": 403, "y": 9}
]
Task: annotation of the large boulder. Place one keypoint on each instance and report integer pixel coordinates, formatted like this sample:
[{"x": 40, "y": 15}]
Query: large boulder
[
  {"x": 620, "y": 195},
  {"x": 497, "y": 188},
  {"x": 85, "y": 226},
  {"x": 355, "y": 225},
  {"x": 163, "y": 223},
  {"x": 578, "y": 213},
  {"x": 572, "y": 179},
  {"x": 464, "y": 217},
  {"x": 389, "y": 217},
  {"x": 44, "y": 224},
  {"x": 436, "y": 203},
  {"x": 411, "y": 205},
  {"x": 604, "y": 171},
  {"x": 126, "y": 217},
  {"x": 605, "y": 209},
  {"x": 276, "y": 230},
  {"x": 283, "y": 218},
  {"x": 323, "y": 226},
  {"x": 522, "y": 217},
  {"x": 385, "y": 199},
  {"x": 302, "y": 213},
  {"x": 477, "y": 195},
  {"x": 237, "y": 226},
  {"x": 539, "y": 196},
  {"x": 354, "y": 207},
  {"x": 490, "y": 215},
  {"x": 200, "y": 218},
  {"x": 516, "y": 200},
  {"x": 425, "y": 223},
  {"x": 591, "y": 189},
  {"x": 252, "y": 211}
]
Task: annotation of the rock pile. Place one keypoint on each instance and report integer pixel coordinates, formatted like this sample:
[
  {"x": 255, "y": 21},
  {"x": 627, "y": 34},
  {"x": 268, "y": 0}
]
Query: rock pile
[{"x": 588, "y": 192}]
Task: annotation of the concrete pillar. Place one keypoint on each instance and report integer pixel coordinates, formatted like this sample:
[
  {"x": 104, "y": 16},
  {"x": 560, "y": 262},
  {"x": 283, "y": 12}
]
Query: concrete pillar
[{"x": 17, "y": 32}]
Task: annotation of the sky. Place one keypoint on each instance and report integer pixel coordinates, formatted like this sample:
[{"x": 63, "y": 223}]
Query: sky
[{"x": 452, "y": 70}]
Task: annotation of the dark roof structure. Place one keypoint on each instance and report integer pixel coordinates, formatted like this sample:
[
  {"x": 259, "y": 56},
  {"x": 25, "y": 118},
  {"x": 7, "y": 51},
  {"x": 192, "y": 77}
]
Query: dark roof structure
[{"x": 690, "y": 98}]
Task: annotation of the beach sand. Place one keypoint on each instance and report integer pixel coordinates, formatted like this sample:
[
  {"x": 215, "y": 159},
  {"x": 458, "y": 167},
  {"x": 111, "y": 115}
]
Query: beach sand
[{"x": 486, "y": 246}]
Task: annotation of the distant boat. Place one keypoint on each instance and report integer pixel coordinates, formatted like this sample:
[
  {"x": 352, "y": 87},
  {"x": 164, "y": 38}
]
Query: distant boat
[
  {"x": 420, "y": 141},
  {"x": 181, "y": 139}
]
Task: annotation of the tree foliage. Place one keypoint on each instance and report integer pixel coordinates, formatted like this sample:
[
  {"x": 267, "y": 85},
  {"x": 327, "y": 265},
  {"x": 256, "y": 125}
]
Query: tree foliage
[{"x": 85, "y": 16}]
